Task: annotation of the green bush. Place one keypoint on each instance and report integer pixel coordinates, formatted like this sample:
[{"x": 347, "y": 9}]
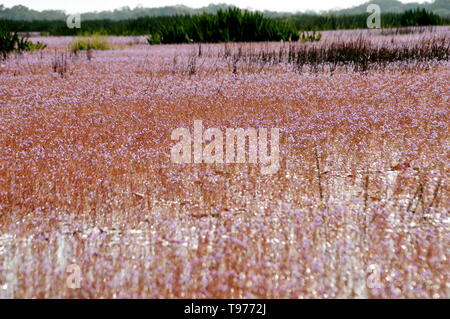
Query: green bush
[
  {"x": 154, "y": 39},
  {"x": 232, "y": 25},
  {"x": 85, "y": 43},
  {"x": 313, "y": 37},
  {"x": 12, "y": 42},
  {"x": 7, "y": 43}
]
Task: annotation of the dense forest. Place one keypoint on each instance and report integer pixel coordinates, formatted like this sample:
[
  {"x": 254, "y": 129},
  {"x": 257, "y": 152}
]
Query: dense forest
[
  {"x": 228, "y": 25},
  {"x": 439, "y": 7},
  {"x": 414, "y": 17}
]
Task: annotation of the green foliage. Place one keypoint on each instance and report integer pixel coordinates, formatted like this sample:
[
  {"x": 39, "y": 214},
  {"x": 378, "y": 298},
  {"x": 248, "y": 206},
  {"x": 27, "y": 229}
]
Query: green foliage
[
  {"x": 441, "y": 7},
  {"x": 23, "y": 13},
  {"x": 231, "y": 25},
  {"x": 23, "y": 44},
  {"x": 154, "y": 39},
  {"x": 416, "y": 17},
  {"x": 313, "y": 37},
  {"x": 8, "y": 42},
  {"x": 419, "y": 17},
  {"x": 19, "y": 12},
  {"x": 12, "y": 42},
  {"x": 226, "y": 25},
  {"x": 86, "y": 43}
]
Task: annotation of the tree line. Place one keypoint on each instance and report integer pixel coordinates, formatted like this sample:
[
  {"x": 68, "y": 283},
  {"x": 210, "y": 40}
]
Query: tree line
[
  {"x": 414, "y": 17},
  {"x": 228, "y": 25}
]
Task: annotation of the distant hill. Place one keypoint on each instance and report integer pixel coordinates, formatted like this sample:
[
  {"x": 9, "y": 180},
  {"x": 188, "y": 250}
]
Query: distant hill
[
  {"x": 19, "y": 12},
  {"x": 127, "y": 13},
  {"x": 440, "y": 7},
  {"x": 23, "y": 13}
]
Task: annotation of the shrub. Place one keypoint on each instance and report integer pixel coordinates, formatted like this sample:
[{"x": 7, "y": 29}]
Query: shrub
[
  {"x": 85, "y": 43},
  {"x": 232, "y": 25},
  {"x": 154, "y": 39},
  {"x": 313, "y": 37},
  {"x": 7, "y": 43},
  {"x": 12, "y": 42}
]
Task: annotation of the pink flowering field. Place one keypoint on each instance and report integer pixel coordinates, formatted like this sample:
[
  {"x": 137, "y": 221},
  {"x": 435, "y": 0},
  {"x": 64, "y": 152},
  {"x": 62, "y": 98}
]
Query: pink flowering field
[{"x": 359, "y": 207}]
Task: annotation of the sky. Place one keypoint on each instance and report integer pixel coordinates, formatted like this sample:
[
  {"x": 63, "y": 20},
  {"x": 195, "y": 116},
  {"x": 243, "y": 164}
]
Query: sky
[{"x": 75, "y": 6}]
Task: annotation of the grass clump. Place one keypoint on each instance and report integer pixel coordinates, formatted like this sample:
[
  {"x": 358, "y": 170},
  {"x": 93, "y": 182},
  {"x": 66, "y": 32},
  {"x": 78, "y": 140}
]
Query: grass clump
[
  {"x": 87, "y": 43},
  {"x": 311, "y": 37},
  {"x": 153, "y": 39}
]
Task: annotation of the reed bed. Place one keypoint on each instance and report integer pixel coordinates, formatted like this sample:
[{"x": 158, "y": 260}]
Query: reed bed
[{"x": 358, "y": 208}]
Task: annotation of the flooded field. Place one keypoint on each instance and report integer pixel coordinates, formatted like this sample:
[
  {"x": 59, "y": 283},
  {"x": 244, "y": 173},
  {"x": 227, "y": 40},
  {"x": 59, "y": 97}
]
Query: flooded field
[{"x": 359, "y": 206}]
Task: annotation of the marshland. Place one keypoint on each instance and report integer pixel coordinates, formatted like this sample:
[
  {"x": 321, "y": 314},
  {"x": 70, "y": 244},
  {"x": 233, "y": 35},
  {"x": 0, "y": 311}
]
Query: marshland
[{"x": 358, "y": 208}]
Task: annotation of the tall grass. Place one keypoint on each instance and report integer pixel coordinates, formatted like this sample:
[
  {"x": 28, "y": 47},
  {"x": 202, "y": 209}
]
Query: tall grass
[
  {"x": 357, "y": 55},
  {"x": 358, "y": 208},
  {"x": 86, "y": 43}
]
